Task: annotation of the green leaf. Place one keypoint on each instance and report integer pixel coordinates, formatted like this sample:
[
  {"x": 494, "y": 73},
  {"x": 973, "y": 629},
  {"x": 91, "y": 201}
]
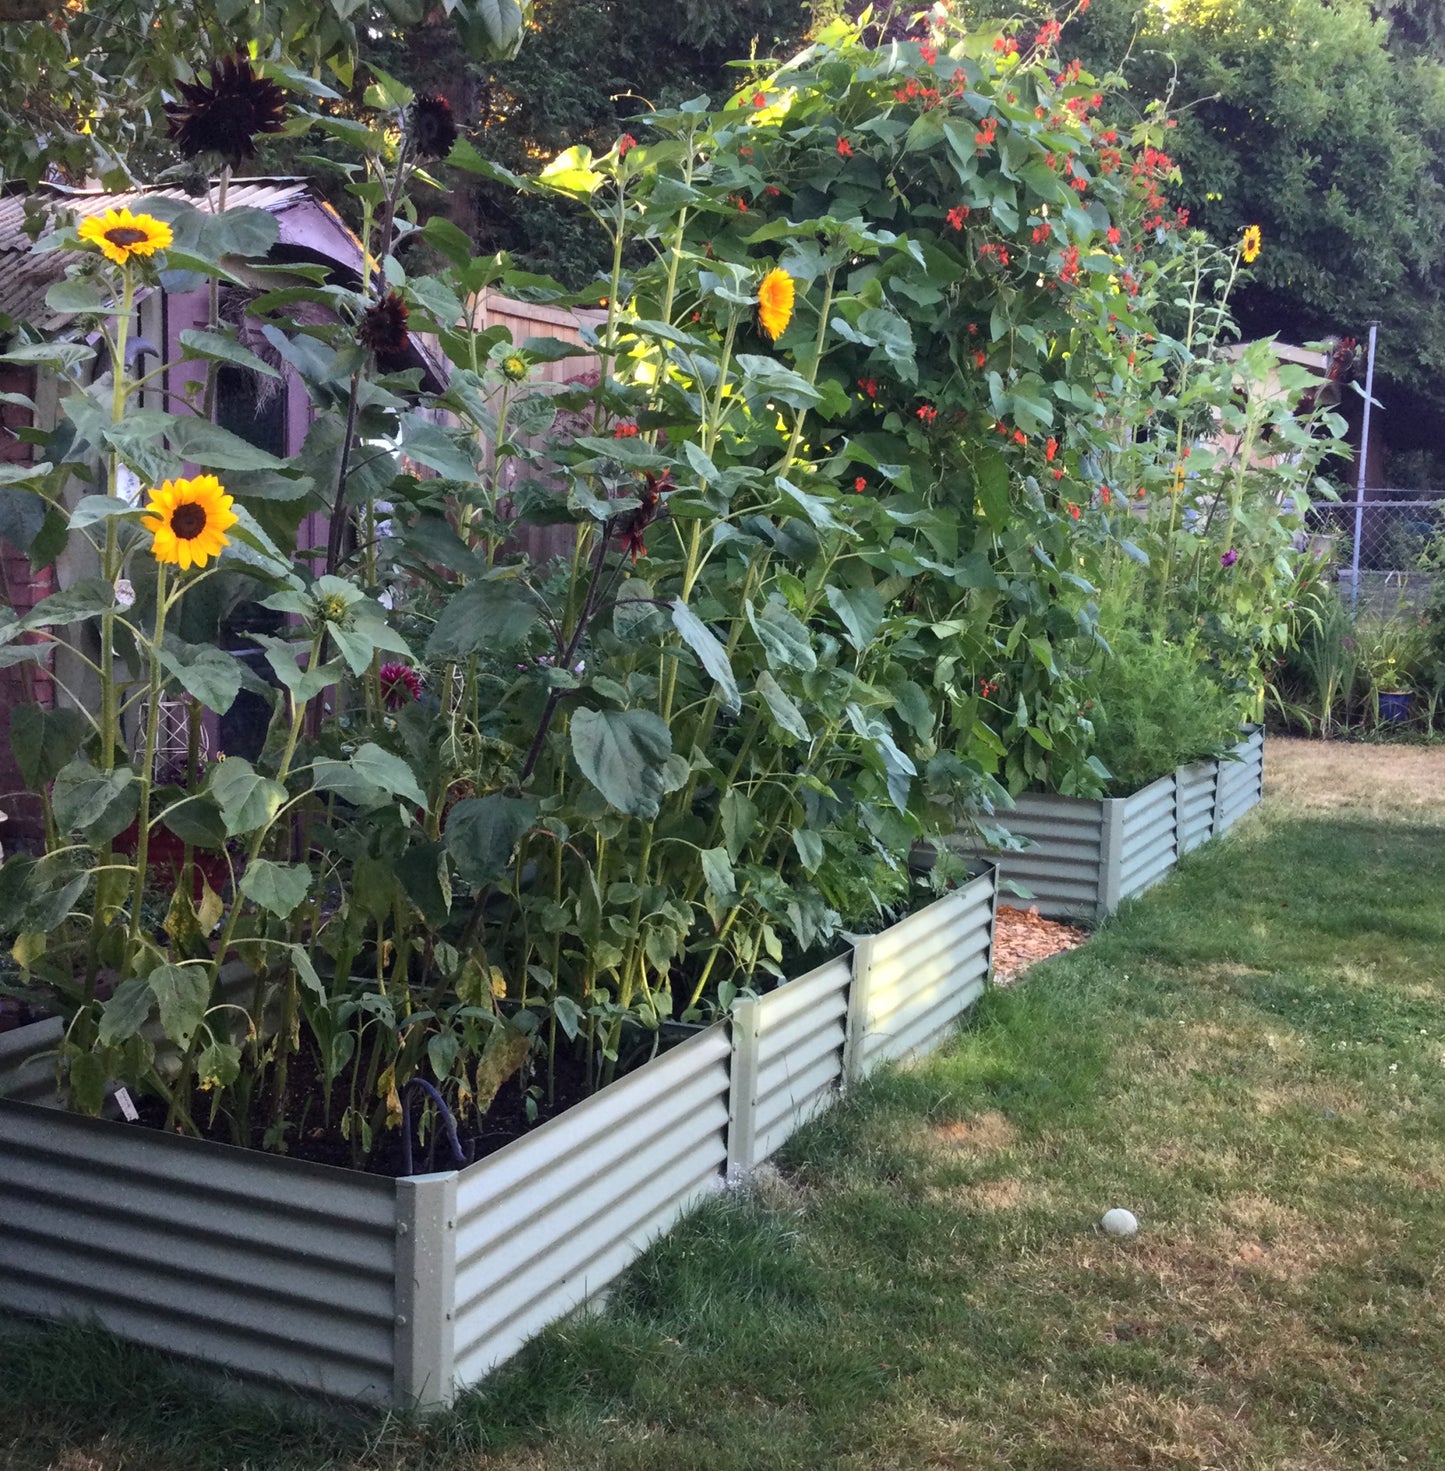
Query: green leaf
[
  {"x": 809, "y": 847},
  {"x": 214, "y": 448},
  {"x": 197, "y": 821},
  {"x": 182, "y": 994},
  {"x": 247, "y": 799},
  {"x": 990, "y": 485},
  {"x": 279, "y": 887},
  {"x": 739, "y": 819},
  {"x": 43, "y": 741},
  {"x": 861, "y": 611},
  {"x": 303, "y": 684},
  {"x": 78, "y": 294},
  {"x": 623, "y": 754},
  {"x": 82, "y": 600},
  {"x": 215, "y": 347},
  {"x": 784, "y": 711},
  {"x": 484, "y": 615},
  {"x": 368, "y": 777},
  {"x": 786, "y": 642},
  {"x": 765, "y": 377},
  {"x": 204, "y": 672},
  {"x": 710, "y": 652},
  {"x": 218, "y": 1066},
  {"x": 91, "y": 509},
  {"x": 452, "y": 457},
  {"x": 717, "y": 870},
  {"x": 483, "y": 832},
  {"x": 493, "y": 30},
  {"x": 569, "y": 1016},
  {"x": 125, "y": 1013},
  {"x": 636, "y": 614},
  {"x": 99, "y": 803},
  {"x": 360, "y": 638},
  {"x": 814, "y": 507}
]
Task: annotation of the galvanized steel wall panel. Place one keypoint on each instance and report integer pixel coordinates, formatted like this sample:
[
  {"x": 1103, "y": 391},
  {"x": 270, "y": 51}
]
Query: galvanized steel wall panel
[
  {"x": 924, "y": 973},
  {"x": 1241, "y": 781},
  {"x": 1194, "y": 804},
  {"x": 549, "y": 1220},
  {"x": 270, "y": 1268},
  {"x": 802, "y": 1028},
  {"x": 1147, "y": 850},
  {"x": 1061, "y": 869}
]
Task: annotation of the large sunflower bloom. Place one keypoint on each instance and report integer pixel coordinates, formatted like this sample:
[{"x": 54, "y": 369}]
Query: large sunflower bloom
[
  {"x": 188, "y": 520},
  {"x": 120, "y": 234},
  {"x": 1249, "y": 247},
  {"x": 226, "y": 114},
  {"x": 775, "y": 302}
]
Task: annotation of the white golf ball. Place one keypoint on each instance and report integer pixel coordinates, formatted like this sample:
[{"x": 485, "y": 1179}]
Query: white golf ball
[{"x": 1119, "y": 1222}]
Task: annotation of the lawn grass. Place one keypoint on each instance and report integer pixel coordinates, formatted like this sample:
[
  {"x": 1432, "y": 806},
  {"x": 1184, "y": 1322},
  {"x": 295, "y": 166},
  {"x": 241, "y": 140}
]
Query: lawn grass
[{"x": 1252, "y": 1059}]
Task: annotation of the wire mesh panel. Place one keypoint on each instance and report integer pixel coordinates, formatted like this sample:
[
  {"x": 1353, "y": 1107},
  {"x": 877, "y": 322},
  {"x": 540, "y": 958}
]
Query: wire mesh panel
[{"x": 1387, "y": 551}]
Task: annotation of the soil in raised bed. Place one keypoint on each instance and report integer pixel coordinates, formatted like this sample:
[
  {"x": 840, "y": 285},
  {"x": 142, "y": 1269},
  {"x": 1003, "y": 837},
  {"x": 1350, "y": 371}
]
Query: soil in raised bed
[{"x": 513, "y": 1113}]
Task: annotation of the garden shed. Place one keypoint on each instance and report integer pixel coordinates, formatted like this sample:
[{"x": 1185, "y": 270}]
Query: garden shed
[{"x": 273, "y": 413}]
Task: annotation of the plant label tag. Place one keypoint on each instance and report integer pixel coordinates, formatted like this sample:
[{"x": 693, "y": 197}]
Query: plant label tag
[{"x": 127, "y": 1107}]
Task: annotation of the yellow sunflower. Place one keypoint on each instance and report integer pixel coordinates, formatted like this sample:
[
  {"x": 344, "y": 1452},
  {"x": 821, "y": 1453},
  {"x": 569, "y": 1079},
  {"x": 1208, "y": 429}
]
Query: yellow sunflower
[
  {"x": 188, "y": 520},
  {"x": 120, "y": 234},
  {"x": 775, "y": 302},
  {"x": 1249, "y": 247}
]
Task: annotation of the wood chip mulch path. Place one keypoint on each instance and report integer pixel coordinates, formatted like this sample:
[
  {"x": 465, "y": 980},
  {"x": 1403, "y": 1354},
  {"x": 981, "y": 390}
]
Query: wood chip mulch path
[{"x": 1022, "y": 937}]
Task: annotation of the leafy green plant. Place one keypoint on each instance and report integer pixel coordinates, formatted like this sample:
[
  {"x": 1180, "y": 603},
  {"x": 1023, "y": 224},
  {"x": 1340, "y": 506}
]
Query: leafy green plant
[
  {"x": 835, "y": 515},
  {"x": 1158, "y": 706}
]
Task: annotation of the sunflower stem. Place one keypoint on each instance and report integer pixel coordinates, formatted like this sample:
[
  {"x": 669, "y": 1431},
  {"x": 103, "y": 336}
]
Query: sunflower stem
[
  {"x": 213, "y": 308},
  {"x": 147, "y": 771}
]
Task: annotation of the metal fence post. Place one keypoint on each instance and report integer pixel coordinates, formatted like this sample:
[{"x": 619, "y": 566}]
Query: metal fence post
[
  {"x": 1360, "y": 478},
  {"x": 1111, "y": 854},
  {"x": 426, "y": 1264},
  {"x": 743, "y": 1086},
  {"x": 858, "y": 1011}
]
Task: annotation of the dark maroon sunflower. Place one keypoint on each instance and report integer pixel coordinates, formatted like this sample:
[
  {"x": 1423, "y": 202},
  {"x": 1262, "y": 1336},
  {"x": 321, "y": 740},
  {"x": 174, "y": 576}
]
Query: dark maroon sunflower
[
  {"x": 227, "y": 114},
  {"x": 631, "y": 529},
  {"x": 383, "y": 326},
  {"x": 433, "y": 133}
]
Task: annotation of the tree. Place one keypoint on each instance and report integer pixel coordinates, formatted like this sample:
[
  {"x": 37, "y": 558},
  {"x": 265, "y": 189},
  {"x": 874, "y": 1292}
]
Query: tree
[{"x": 1300, "y": 116}]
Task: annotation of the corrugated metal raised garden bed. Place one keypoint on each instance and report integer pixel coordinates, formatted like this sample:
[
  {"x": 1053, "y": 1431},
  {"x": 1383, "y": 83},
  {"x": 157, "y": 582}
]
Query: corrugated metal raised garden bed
[
  {"x": 402, "y": 1291},
  {"x": 1086, "y": 857}
]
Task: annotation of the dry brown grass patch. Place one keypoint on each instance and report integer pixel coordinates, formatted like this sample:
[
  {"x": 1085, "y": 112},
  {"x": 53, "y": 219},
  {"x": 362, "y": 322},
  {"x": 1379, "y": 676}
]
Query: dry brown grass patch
[
  {"x": 986, "y": 1133},
  {"x": 1325, "y": 776}
]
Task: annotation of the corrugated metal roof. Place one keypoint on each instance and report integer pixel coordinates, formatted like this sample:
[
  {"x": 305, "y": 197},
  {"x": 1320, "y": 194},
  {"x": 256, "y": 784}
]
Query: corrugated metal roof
[{"x": 25, "y": 277}]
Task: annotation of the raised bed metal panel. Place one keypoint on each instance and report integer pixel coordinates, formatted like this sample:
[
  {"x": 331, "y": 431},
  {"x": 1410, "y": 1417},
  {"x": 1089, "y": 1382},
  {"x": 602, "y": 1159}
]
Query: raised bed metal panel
[
  {"x": 1241, "y": 781},
  {"x": 27, "y": 1064},
  {"x": 802, "y": 1028},
  {"x": 1194, "y": 809},
  {"x": 548, "y": 1221},
  {"x": 924, "y": 973},
  {"x": 1061, "y": 868},
  {"x": 270, "y": 1268},
  {"x": 1147, "y": 848}
]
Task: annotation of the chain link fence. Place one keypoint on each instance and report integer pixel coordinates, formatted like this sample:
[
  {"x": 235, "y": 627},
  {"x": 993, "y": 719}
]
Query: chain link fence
[{"x": 1388, "y": 552}]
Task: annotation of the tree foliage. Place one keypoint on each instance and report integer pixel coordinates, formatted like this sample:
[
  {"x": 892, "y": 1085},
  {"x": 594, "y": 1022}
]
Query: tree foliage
[{"x": 1323, "y": 123}]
